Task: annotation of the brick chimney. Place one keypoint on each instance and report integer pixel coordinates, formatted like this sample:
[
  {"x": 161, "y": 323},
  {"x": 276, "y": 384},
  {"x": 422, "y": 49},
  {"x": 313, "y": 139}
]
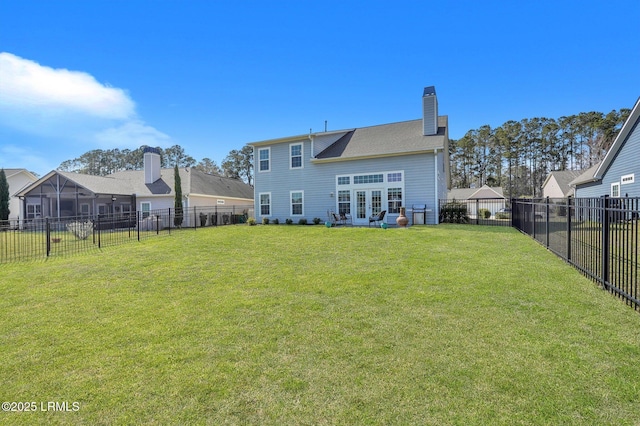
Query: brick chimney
[
  {"x": 151, "y": 165},
  {"x": 429, "y": 111}
]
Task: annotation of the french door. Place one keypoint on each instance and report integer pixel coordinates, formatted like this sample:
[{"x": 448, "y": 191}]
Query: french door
[{"x": 368, "y": 203}]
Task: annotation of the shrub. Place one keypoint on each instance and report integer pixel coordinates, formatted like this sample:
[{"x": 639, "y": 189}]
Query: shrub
[
  {"x": 484, "y": 213},
  {"x": 276, "y": 221},
  {"x": 317, "y": 221},
  {"x": 265, "y": 220},
  {"x": 288, "y": 221},
  {"x": 453, "y": 212},
  {"x": 302, "y": 221},
  {"x": 251, "y": 221},
  {"x": 502, "y": 215}
]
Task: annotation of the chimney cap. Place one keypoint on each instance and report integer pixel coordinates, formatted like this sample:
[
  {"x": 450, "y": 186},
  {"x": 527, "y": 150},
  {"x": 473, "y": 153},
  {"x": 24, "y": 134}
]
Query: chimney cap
[
  {"x": 151, "y": 149},
  {"x": 429, "y": 91}
]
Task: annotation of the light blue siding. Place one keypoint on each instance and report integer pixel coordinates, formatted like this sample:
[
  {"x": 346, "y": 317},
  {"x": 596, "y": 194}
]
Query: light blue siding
[
  {"x": 626, "y": 162},
  {"x": 318, "y": 181}
]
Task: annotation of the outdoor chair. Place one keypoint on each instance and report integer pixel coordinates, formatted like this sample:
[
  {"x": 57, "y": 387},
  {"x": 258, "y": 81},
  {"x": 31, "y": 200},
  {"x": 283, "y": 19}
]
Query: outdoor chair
[{"x": 377, "y": 218}]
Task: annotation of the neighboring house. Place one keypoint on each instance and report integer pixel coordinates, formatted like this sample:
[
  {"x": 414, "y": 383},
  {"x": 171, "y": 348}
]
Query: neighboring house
[
  {"x": 359, "y": 172},
  {"x": 485, "y": 197},
  {"x": 18, "y": 179},
  {"x": 558, "y": 183},
  {"x": 616, "y": 174},
  {"x": 64, "y": 194}
]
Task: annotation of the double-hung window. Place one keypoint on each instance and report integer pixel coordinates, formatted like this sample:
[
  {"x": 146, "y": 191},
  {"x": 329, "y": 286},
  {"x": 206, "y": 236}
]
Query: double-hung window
[
  {"x": 394, "y": 198},
  {"x": 615, "y": 189},
  {"x": 265, "y": 204},
  {"x": 297, "y": 203},
  {"x": 145, "y": 207},
  {"x": 295, "y": 150},
  {"x": 264, "y": 159},
  {"x": 344, "y": 202}
]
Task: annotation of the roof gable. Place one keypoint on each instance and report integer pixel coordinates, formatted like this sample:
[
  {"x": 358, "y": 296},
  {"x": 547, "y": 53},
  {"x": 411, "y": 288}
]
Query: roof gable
[{"x": 620, "y": 140}]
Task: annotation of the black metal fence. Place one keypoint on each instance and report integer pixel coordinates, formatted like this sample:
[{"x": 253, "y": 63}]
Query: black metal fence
[
  {"x": 485, "y": 211},
  {"x": 599, "y": 236},
  {"x": 41, "y": 238}
]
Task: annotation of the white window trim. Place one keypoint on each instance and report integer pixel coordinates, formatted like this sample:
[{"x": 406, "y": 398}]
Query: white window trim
[
  {"x": 291, "y": 203},
  {"x": 260, "y": 204},
  {"x": 615, "y": 185},
  {"x": 142, "y": 209},
  {"x": 268, "y": 149},
  {"x": 627, "y": 179},
  {"x": 291, "y": 145}
]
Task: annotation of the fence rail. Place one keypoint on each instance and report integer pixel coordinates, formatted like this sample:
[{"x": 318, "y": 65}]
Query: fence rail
[
  {"x": 40, "y": 238},
  {"x": 598, "y": 236}
]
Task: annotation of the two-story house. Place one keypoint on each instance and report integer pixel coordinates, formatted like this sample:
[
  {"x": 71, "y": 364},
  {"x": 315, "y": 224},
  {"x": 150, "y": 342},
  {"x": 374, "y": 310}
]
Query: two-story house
[{"x": 359, "y": 172}]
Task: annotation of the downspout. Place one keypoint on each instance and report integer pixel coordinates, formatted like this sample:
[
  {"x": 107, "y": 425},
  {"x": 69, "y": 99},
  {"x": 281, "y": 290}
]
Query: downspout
[{"x": 436, "y": 207}]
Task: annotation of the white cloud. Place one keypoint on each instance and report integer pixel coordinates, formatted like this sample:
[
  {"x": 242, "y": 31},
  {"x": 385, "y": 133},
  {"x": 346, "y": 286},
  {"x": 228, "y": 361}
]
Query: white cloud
[
  {"x": 131, "y": 134},
  {"x": 27, "y": 85},
  {"x": 70, "y": 107}
]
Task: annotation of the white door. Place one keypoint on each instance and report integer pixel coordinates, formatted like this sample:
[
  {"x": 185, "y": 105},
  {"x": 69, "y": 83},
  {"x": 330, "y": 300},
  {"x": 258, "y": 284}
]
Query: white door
[{"x": 368, "y": 203}]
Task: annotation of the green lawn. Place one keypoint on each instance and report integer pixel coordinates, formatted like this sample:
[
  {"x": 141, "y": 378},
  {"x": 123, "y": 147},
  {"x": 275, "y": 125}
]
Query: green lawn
[{"x": 309, "y": 325}]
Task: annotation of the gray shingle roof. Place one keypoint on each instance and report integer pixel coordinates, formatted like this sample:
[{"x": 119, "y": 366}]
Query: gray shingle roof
[
  {"x": 132, "y": 182},
  {"x": 386, "y": 139},
  {"x": 484, "y": 192}
]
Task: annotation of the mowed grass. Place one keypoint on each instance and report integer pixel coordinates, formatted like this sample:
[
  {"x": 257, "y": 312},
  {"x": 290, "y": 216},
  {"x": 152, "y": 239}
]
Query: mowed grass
[{"x": 308, "y": 325}]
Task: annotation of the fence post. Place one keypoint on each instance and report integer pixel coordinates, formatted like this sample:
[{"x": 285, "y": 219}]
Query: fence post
[
  {"x": 138, "y": 222},
  {"x": 48, "y": 235},
  {"x": 99, "y": 242},
  {"x": 547, "y": 222},
  {"x": 171, "y": 220},
  {"x": 605, "y": 242},
  {"x": 477, "y": 211},
  {"x": 569, "y": 228},
  {"x": 158, "y": 224}
]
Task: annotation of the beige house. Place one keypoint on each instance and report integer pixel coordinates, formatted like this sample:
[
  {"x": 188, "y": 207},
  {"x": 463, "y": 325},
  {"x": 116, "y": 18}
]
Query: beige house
[
  {"x": 18, "y": 179},
  {"x": 485, "y": 197},
  {"x": 64, "y": 194},
  {"x": 557, "y": 184}
]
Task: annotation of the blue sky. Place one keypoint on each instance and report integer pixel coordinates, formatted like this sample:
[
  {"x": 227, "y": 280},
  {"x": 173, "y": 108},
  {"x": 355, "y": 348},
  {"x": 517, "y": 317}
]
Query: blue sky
[{"x": 212, "y": 76}]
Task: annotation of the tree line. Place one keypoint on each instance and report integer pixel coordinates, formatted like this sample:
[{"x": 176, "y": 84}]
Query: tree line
[
  {"x": 519, "y": 155},
  {"x": 237, "y": 164}
]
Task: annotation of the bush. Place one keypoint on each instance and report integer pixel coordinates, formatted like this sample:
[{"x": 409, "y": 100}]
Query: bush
[
  {"x": 288, "y": 221},
  {"x": 484, "y": 214},
  {"x": 317, "y": 221},
  {"x": 503, "y": 215},
  {"x": 302, "y": 221},
  {"x": 81, "y": 230},
  {"x": 453, "y": 212},
  {"x": 276, "y": 221},
  {"x": 265, "y": 220},
  {"x": 251, "y": 221}
]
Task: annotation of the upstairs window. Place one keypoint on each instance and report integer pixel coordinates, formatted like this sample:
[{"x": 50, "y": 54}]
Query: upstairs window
[
  {"x": 295, "y": 150},
  {"x": 264, "y": 156}
]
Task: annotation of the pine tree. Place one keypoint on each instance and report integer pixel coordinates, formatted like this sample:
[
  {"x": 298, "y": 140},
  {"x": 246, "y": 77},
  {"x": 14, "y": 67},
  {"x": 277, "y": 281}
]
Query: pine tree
[
  {"x": 4, "y": 196},
  {"x": 179, "y": 214}
]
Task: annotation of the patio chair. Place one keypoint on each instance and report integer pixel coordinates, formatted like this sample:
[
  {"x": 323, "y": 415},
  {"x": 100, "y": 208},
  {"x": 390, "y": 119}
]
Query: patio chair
[{"x": 377, "y": 218}]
